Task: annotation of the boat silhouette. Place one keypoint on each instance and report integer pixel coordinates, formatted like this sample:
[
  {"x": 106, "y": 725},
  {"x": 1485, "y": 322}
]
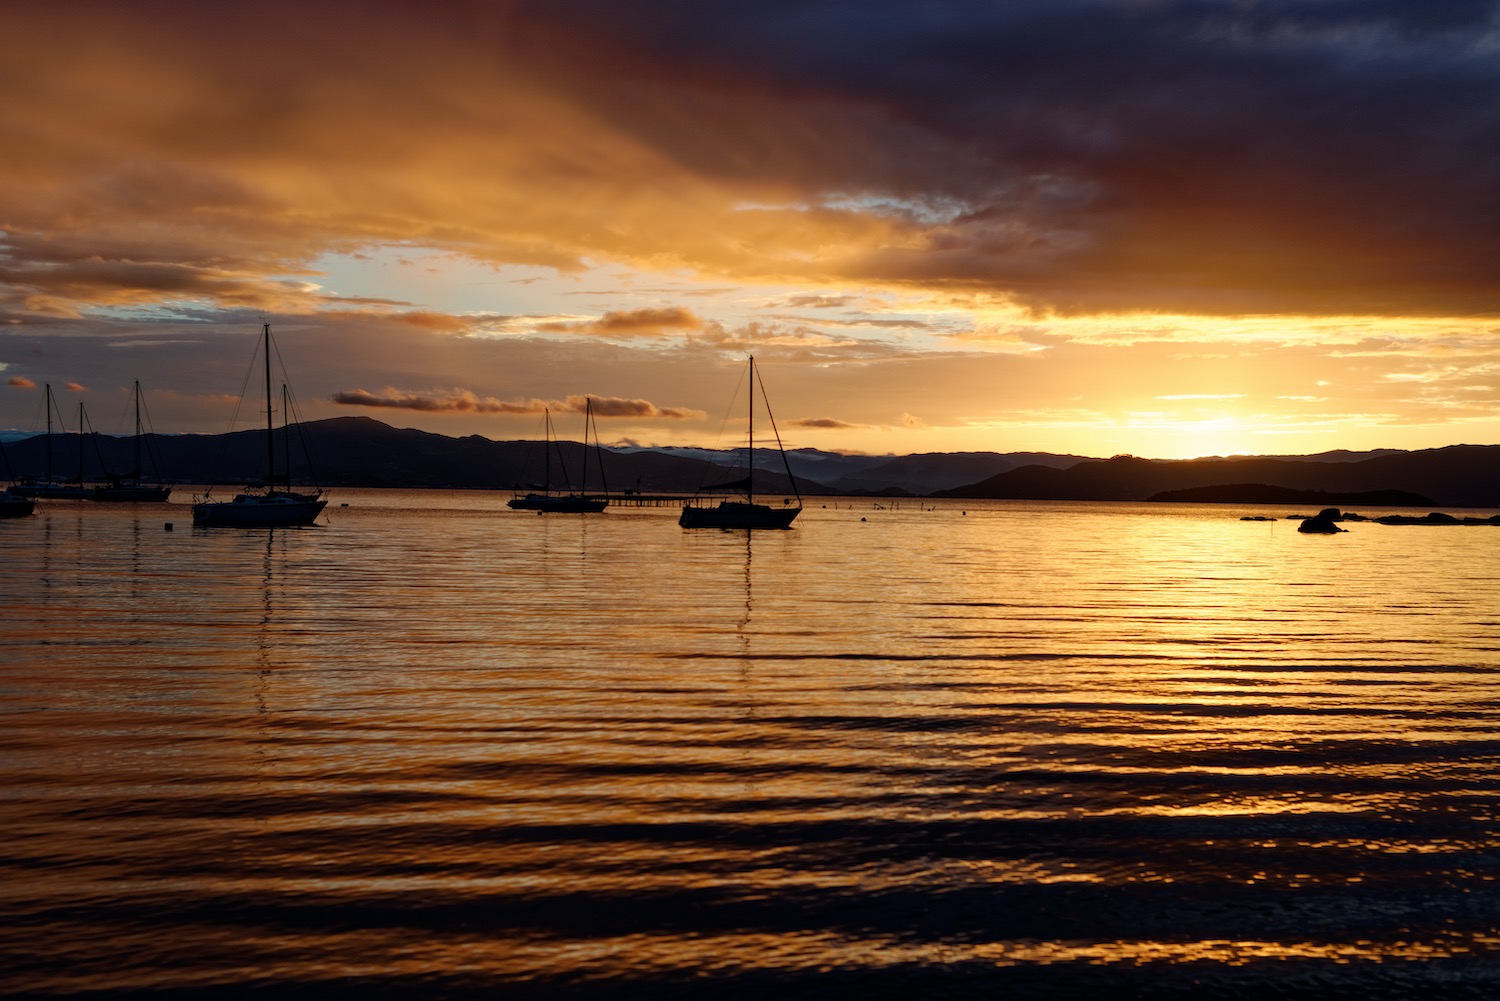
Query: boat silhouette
[
  {"x": 566, "y": 502},
  {"x": 730, "y": 514},
  {"x": 272, "y": 503},
  {"x": 50, "y": 488},
  {"x": 128, "y": 487}
]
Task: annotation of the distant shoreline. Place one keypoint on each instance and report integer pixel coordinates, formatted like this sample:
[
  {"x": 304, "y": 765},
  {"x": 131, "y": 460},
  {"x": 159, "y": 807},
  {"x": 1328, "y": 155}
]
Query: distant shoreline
[{"x": 1262, "y": 493}]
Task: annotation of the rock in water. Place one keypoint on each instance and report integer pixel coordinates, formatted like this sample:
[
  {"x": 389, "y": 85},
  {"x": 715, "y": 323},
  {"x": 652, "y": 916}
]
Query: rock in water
[{"x": 1325, "y": 522}]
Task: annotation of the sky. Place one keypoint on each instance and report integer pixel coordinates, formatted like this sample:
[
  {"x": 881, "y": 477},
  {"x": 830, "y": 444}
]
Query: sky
[{"x": 1169, "y": 228}]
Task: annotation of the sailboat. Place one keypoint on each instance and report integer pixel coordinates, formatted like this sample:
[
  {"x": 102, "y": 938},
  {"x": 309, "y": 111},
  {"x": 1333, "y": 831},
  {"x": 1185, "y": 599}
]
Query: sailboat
[
  {"x": 12, "y": 504},
  {"x": 49, "y": 488},
  {"x": 568, "y": 502},
  {"x": 746, "y": 513},
  {"x": 127, "y": 487},
  {"x": 271, "y": 507}
]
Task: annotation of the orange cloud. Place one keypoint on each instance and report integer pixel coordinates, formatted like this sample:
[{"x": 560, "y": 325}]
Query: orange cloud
[
  {"x": 630, "y": 323},
  {"x": 826, "y": 423},
  {"x": 610, "y": 406},
  {"x": 151, "y": 159},
  {"x": 459, "y": 401},
  {"x": 463, "y": 401},
  {"x": 20, "y": 382}
]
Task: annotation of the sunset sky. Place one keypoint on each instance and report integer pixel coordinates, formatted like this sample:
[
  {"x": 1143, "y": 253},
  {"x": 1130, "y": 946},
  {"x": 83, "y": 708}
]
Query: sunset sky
[{"x": 1149, "y": 226}]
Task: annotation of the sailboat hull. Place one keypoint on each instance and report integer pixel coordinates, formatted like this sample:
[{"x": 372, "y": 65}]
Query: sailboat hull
[
  {"x": 560, "y": 504},
  {"x": 272, "y": 507},
  {"x": 738, "y": 514},
  {"x": 15, "y": 506},
  {"x": 128, "y": 494},
  {"x": 51, "y": 491},
  {"x": 259, "y": 511}
]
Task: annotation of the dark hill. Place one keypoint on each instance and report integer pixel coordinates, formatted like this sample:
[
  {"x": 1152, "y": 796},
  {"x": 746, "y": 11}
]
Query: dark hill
[
  {"x": 1262, "y": 493},
  {"x": 1459, "y": 475},
  {"x": 363, "y": 452}
]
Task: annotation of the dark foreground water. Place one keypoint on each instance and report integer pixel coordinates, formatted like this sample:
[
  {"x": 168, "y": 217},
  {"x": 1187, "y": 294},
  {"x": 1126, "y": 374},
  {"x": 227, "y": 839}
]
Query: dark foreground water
[{"x": 438, "y": 749}]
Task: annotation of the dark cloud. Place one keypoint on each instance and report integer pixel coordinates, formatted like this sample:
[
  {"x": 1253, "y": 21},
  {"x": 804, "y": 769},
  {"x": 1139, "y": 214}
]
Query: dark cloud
[
  {"x": 1325, "y": 156},
  {"x": 1183, "y": 155}
]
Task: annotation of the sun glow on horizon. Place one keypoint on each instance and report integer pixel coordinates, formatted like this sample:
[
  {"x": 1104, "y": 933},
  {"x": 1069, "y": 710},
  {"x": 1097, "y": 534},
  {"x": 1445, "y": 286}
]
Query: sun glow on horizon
[{"x": 859, "y": 368}]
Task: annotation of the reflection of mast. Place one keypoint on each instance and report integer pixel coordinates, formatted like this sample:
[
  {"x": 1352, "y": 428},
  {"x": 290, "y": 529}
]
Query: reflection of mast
[
  {"x": 744, "y": 626},
  {"x": 264, "y": 647},
  {"x": 747, "y": 676}
]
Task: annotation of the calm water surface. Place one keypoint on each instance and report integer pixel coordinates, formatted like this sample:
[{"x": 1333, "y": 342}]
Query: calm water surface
[{"x": 435, "y": 748}]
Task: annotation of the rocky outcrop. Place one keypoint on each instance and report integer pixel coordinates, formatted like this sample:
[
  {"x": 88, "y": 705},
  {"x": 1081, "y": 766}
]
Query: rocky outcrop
[{"x": 1325, "y": 522}]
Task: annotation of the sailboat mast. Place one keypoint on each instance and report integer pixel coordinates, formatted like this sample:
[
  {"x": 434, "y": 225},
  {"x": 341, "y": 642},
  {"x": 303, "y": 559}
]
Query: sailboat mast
[
  {"x": 286, "y": 432},
  {"x": 750, "y": 456},
  {"x": 598, "y": 448},
  {"x": 49, "y": 432},
  {"x": 80, "y": 443},
  {"x": 270, "y": 430},
  {"x": 137, "y": 430}
]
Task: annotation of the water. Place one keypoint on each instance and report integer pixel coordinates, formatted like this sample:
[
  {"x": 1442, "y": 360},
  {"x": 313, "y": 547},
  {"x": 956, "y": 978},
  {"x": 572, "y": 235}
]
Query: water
[{"x": 440, "y": 749}]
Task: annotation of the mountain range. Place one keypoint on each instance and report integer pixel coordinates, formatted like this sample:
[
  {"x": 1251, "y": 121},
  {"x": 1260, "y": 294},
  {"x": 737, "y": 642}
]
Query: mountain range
[{"x": 361, "y": 451}]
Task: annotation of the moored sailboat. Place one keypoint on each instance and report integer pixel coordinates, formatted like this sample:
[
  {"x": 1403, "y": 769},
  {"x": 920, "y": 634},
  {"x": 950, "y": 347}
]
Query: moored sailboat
[
  {"x": 49, "y": 488},
  {"x": 567, "y": 502},
  {"x": 12, "y": 504},
  {"x": 274, "y": 504},
  {"x": 128, "y": 487},
  {"x": 746, "y": 513}
]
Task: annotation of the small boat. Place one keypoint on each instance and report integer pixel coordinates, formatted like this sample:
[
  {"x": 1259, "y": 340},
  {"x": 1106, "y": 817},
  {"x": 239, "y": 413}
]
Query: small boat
[
  {"x": 12, "y": 504},
  {"x": 127, "y": 487},
  {"x": 49, "y": 488},
  {"x": 558, "y": 503},
  {"x": 567, "y": 502},
  {"x": 732, "y": 514},
  {"x": 272, "y": 504}
]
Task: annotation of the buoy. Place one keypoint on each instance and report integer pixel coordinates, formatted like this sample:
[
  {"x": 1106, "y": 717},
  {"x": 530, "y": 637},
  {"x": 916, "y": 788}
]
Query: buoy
[{"x": 168, "y": 526}]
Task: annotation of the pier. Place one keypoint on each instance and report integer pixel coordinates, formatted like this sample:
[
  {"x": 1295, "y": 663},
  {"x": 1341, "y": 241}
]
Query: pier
[{"x": 647, "y": 500}]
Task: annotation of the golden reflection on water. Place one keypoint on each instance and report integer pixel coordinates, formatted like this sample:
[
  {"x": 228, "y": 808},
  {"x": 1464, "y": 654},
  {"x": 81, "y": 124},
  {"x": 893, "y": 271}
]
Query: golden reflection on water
[{"x": 564, "y": 749}]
